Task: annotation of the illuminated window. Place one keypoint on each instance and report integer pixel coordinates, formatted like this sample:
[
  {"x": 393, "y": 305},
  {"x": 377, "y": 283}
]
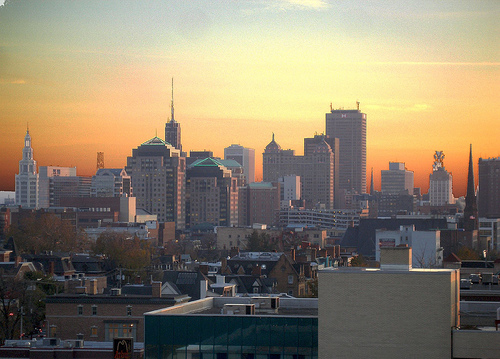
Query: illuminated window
[{"x": 93, "y": 331}]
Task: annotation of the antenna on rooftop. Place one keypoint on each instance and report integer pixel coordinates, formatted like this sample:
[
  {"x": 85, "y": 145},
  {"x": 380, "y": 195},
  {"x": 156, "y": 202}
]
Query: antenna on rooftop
[
  {"x": 100, "y": 160},
  {"x": 172, "y": 103},
  {"x": 357, "y": 105}
]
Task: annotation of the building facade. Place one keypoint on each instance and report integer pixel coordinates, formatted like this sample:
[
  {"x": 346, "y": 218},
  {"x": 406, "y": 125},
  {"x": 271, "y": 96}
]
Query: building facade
[
  {"x": 158, "y": 174},
  {"x": 440, "y": 183},
  {"x": 397, "y": 179},
  {"x": 211, "y": 194},
  {"x": 111, "y": 182},
  {"x": 489, "y": 187},
  {"x": 46, "y": 173},
  {"x": 259, "y": 202},
  {"x": 27, "y": 179},
  {"x": 316, "y": 171},
  {"x": 349, "y": 126},
  {"x": 245, "y": 157}
]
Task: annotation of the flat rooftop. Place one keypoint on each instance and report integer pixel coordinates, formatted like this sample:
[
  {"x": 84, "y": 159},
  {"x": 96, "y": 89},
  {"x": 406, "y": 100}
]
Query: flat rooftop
[{"x": 296, "y": 307}]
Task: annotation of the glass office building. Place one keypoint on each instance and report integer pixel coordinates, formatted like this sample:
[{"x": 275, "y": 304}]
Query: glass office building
[{"x": 225, "y": 336}]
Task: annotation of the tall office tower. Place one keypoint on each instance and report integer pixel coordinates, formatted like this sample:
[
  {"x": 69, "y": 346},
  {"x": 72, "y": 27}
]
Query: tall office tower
[
  {"x": 111, "y": 182},
  {"x": 471, "y": 220},
  {"x": 397, "y": 179},
  {"x": 172, "y": 127},
  {"x": 245, "y": 157},
  {"x": 259, "y": 202},
  {"x": 310, "y": 146},
  {"x": 67, "y": 186},
  {"x": 211, "y": 194},
  {"x": 489, "y": 187},
  {"x": 440, "y": 183},
  {"x": 158, "y": 174},
  {"x": 349, "y": 126},
  {"x": 316, "y": 171},
  {"x": 46, "y": 186},
  {"x": 27, "y": 179},
  {"x": 372, "y": 184}
]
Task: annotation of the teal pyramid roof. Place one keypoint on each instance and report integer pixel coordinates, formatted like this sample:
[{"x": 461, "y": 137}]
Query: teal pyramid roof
[
  {"x": 155, "y": 141},
  {"x": 207, "y": 162}
]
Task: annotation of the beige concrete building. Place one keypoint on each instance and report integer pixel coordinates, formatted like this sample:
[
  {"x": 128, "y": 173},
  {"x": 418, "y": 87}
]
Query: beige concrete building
[{"x": 391, "y": 312}]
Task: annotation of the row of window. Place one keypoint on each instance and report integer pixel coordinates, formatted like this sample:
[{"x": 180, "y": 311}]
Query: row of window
[{"x": 94, "y": 310}]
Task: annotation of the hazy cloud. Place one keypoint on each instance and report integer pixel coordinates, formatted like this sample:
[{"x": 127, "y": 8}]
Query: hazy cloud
[{"x": 13, "y": 82}]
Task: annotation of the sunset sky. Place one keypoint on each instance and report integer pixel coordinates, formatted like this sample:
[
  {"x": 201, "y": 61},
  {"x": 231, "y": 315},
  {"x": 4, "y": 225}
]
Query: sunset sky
[{"x": 93, "y": 76}]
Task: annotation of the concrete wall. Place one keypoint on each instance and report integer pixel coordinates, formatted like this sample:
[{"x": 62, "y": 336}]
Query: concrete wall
[
  {"x": 387, "y": 313},
  {"x": 476, "y": 344}
]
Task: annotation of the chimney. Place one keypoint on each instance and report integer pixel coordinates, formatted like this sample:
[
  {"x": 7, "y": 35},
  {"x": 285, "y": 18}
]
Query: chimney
[
  {"x": 223, "y": 265},
  {"x": 396, "y": 258},
  {"x": 156, "y": 289},
  {"x": 93, "y": 286},
  {"x": 203, "y": 268},
  {"x": 51, "y": 268},
  {"x": 292, "y": 254},
  {"x": 234, "y": 252},
  {"x": 220, "y": 279},
  {"x": 203, "y": 289},
  {"x": 138, "y": 279},
  {"x": 256, "y": 271}
]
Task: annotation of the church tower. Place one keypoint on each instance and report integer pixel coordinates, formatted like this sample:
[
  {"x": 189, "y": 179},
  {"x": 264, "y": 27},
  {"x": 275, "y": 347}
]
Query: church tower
[
  {"x": 172, "y": 127},
  {"x": 471, "y": 221},
  {"x": 27, "y": 179}
]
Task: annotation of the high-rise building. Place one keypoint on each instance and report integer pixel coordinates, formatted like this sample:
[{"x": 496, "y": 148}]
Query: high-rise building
[
  {"x": 316, "y": 171},
  {"x": 172, "y": 127},
  {"x": 46, "y": 175},
  {"x": 349, "y": 126},
  {"x": 245, "y": 157},
  {"x": 111, "y": 182},
  {"x": 471, "y": 219},
  {"x": 259, "y": 202},
  {"x": 211, "y": 194},
  {"x": 489, "y": 187},
  {"x": 397, "y": 179},
  {"x": 440, "y": 183},
  {"x": 27, "y": 179},
  {"x": 158, "y": 173}
]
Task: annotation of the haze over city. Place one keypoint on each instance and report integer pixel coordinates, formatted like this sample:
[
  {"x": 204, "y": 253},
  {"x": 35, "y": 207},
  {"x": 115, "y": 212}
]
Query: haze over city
[{"x": 95, "y": 76}]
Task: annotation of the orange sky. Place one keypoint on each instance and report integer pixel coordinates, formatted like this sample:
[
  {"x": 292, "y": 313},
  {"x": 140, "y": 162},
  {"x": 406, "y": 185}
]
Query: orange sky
[{"x": 94, "y": 76}]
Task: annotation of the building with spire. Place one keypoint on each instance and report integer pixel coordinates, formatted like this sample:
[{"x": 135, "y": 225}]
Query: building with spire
[
  {"x": 172, "y": 127},
  {"x": 471, "y": 220},
  {"x": 27, "y": 179},
  {"x": 157, "y": 171}
]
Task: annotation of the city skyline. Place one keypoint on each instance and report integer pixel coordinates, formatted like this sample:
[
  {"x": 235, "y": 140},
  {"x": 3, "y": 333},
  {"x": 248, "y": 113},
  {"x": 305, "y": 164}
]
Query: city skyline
[{"x": 93, "y": 76}]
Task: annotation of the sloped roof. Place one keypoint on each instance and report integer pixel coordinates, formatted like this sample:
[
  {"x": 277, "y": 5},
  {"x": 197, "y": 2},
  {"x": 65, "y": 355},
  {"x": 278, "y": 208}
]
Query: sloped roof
[
  {"x": 115, "y": 171},
  {"x": 207, "y": 162},
  {"x": 452, "y": 258},
  {"x": 155, "y": 141}
]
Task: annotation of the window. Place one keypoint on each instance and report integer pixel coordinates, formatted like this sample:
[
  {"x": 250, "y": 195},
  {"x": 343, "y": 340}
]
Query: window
[
  {"x": 53, "y": 331},
  {"x": 80, "y": 310},
  {"x": 290, "y": 279},
  {"x": 94, "y": 310},
  {"x": 93, "y": 331},
  {"x": 129, "y": 310},
  {"x": 116, "y": 330}
]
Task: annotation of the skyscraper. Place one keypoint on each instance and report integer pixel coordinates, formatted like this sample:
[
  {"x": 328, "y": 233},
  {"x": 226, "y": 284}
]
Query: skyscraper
[
  {"x": 489, "y": 187},
  {"x": 27, "y": 179},
  {"x": 316, "y": 171},
  {"x": 158, "y": 173},
  {"x": 172, "y": 127},
  {"x": 396, "y": 179},
  {"x": 245, "y": 157},
  {"x": 349, "y": 126},
  {"x": 440, "y": 183},
  {"x": 211, "y": 194}
]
